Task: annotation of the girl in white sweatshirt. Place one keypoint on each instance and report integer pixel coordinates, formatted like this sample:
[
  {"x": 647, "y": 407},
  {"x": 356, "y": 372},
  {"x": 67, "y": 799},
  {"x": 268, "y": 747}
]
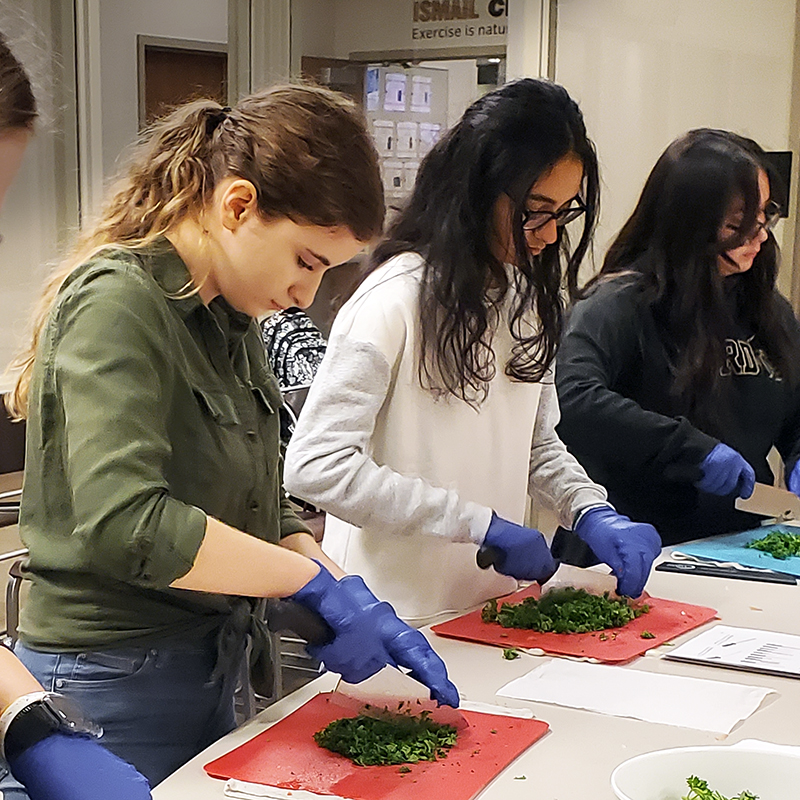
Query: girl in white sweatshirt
[{"x": 433, "y": 414}]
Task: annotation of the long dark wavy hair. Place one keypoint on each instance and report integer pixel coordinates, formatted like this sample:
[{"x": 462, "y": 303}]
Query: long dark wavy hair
[
  {"x": 671, "y": 244},
  {"x": 502, "y": 145}
]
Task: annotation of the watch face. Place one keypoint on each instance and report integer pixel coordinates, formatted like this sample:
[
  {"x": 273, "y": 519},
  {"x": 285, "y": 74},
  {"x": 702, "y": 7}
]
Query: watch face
[{"x": 71, "y": 717}]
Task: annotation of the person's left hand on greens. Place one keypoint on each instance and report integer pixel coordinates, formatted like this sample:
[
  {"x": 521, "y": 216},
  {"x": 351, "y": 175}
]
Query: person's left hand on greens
[{"x": 629, "y": 548}]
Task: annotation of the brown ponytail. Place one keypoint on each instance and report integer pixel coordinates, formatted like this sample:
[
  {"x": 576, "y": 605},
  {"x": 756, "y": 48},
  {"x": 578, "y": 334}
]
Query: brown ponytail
[{"x": 306, "y": 150}]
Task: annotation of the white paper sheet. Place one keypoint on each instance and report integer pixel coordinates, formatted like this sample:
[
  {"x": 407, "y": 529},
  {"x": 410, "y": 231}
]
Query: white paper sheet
[
  {"x": 421, "y": 94},
  {"x": 395, "y": 97},
  {"x": 241, "y": 790},
  {"x": 667, "y": 699},
  {"x": 743, "y": 648}
]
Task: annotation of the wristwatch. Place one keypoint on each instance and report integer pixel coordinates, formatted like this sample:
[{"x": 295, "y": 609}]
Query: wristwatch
[{"x": 34, "y": 717}]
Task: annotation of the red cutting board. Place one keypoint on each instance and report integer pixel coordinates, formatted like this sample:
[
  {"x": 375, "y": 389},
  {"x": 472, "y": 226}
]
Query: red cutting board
[
  {"x": 665, "y": 620},
  {"x": 287, "y": 756}
]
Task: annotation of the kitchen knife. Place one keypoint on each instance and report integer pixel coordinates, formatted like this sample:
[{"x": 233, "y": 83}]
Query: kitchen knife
[
  {"x": 384, "y": 690},
  {"x": 287, "y": 615},
  {"x": 719, "y": 571},
  {"x": 770, "y": 501},
  {"x": 487, "y": 556}
]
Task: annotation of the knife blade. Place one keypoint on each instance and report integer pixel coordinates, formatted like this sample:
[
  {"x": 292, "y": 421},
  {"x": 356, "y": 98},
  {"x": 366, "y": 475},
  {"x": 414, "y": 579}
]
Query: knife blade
[
  {"x": 771, "y": 501},
  {"x": 393, "y": 691},
  {"x": 718, "y": 571}
]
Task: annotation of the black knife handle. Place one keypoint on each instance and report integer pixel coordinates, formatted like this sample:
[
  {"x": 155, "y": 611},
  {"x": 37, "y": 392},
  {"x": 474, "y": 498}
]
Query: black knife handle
[
  {"x": 715, "y": 571},
  {"x": 487, "y": 556},
  {"x": 288, "y": 615}
]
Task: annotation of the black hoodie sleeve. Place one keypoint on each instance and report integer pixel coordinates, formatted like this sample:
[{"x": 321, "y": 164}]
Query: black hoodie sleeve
[
  {"x": 605, "y": 349},
  {"x": 788, "y": 443}
]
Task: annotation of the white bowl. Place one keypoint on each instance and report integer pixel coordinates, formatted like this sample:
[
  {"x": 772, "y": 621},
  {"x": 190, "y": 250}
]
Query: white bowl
[{"x": 729, "y": 770}]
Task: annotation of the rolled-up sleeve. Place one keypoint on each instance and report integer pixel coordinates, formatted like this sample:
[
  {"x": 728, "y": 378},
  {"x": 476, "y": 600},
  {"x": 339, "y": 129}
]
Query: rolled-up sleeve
[{"x": 111, "y": 371}]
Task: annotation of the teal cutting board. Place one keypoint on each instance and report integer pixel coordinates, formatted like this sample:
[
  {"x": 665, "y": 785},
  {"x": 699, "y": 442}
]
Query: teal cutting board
[{"x": 732, "y": 548}]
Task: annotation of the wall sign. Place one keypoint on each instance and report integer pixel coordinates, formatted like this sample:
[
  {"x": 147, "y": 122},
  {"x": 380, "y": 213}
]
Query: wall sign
[{"x": 442, "y": 23}]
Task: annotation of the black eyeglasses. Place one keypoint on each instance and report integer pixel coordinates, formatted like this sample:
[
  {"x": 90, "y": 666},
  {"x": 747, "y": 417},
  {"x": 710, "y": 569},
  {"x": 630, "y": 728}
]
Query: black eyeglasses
[
  {"x": 533, "y": 220},
  {"x": 772, "y": 214}
]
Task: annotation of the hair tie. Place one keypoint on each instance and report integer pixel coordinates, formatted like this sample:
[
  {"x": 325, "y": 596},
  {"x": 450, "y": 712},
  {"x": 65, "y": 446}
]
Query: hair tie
[{"x": 216, "y": 118}]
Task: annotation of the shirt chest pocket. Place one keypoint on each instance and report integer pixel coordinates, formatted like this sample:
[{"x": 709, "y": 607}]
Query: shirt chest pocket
[
  {"x": 215, "y": 451},
  {"x": 240, "y": 428},
  {"x": 217, "y": 406}
]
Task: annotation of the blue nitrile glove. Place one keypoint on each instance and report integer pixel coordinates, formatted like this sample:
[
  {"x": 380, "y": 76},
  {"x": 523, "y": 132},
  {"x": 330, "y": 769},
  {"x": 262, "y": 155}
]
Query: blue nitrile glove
[
  {"x": 368, "y": 635},
  {"x": 793, "y": 481},
  {"x": 524, "y": 553},
  {"x": 725, "y": 471},
  {"x": 65, "y": 766},
  {"x": 629, "y": 548}
]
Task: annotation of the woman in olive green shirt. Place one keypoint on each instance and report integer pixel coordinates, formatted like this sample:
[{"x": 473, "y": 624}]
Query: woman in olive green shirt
[{"x": 153, "y": 505}]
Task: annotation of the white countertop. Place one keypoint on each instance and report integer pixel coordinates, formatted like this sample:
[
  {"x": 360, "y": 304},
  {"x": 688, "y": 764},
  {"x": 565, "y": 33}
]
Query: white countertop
[{"x": 575, "y": 760}]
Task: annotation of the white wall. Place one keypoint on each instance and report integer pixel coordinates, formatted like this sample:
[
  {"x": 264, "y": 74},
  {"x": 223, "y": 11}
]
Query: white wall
[
  {"x": 34, "y": 209},
  {"x": 371, "y": 25},
  {"x": 462, "y": 85},
  {"x": 527, "y": 37},
  {"x": 313, "y": 30},
  {"x": 33, "y": 219},
  {"x": 120, "y": 22},
  {"x": 646, "y": 71}
]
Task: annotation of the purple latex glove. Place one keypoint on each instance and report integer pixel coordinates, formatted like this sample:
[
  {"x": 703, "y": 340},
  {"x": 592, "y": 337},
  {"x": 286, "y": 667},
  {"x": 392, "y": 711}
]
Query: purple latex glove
[
  {"x": 629, "y": 548},
  {"x": 725, "y": 471},
  {"x": 368, "y": 635},
  {"x": 793, "y": 481},
  {"x": 521, "y": 552},
  {"x": 65, "y": 766}
]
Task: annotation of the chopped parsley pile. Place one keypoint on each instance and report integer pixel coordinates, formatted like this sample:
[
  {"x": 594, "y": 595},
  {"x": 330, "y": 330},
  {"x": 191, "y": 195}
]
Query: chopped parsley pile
[
  {"x": 779, "y": 544},
  {"x": 565, "y": 610},
  {"x": 698, "y": 790},
  {"x": 387, "y": 739}
]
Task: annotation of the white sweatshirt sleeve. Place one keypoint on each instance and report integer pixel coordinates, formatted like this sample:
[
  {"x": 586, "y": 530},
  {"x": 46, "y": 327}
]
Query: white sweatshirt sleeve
[
  {"x": 329, "y": 461},
  {"x": 555, "y": 476}
]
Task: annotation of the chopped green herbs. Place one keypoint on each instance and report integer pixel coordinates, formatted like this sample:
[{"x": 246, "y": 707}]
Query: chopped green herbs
[
  {"x": 387, "y": 739},
  {"x": 698, "y": 790},
  {"x": 647, "y": 635},
  {"x": 779, "y": 544},
  {"x": 510, "y": 653},
  {"x": 565, "y": 610}
]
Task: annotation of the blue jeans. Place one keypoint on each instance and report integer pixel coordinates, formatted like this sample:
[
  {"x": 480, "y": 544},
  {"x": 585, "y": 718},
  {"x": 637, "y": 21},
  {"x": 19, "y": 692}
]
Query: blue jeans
[{"x": 156, "y": 705}]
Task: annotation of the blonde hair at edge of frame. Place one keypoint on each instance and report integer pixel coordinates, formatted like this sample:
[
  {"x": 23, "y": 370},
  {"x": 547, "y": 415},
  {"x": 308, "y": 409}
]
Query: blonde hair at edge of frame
[{"x": 306, "y": 149}]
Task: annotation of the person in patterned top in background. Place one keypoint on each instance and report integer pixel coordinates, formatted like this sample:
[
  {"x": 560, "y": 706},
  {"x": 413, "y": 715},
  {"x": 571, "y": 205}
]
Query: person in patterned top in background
[{"x": 295, "y": 348}]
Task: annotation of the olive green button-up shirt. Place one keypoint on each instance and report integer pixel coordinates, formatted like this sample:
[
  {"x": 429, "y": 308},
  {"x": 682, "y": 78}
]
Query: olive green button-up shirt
[{"x": 148, "y": 411}]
